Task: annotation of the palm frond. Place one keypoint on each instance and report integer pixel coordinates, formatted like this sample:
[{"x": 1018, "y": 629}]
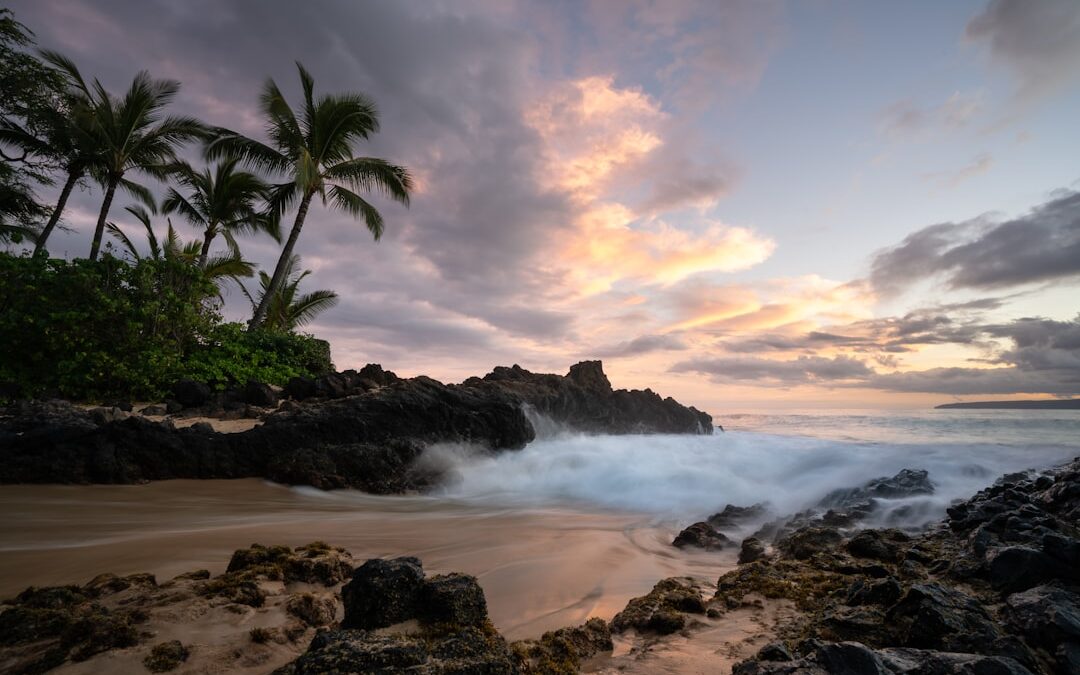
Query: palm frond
[
  {"x": 372, "y": 174},
  {"x": 304, "y": 308},
  {"x": 119, "y": 234},
  {"x": 355, "y": 205}
]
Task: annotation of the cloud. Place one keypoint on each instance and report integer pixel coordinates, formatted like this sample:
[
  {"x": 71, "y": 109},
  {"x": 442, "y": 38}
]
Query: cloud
[
  {"x": 802, "y": 370},
  {"x": 907, "y": 119},
  {"x": 694, "y": 49},
  {"x": 1043, "y": 356},
  {"x": 976, "y": 167},
  {"x": 1040, "y": 246},
  {"x": 643, "y": 344},
  {"x": 1038, "y": 41}
]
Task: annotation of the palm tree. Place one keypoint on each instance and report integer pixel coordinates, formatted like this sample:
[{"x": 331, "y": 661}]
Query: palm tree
[
  {"x": 132, "y": 135},
  {"x": 285, "y": 309},
  {"x": 314, "y": 151},
  {"x": 218, "y": 268},
  {"x": 222, "y": 200},
  {"x": 58, "y": 135}
]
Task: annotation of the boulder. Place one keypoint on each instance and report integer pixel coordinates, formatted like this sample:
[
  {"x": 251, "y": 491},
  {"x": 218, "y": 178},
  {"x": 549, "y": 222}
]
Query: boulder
[
  {"x": 311, "y": 609},
  {"x": 701, "y": 535},
  {"x": 906, "y": 483},
  {"x": 191, "y": 394},
  {"x": 883, "y": 545},
  {"x": 878, "y": 592},
  {"x": 733, "y": 516},
  {"x": 259, "y": 394},
  {"x": 382, "y": 593},
  {"x": 346, "y": 651},
  {"x": 1016, "y": 568},
  {"x": 807, "y": 541},
  {"x": 751, "y": 550},
  {"x": 300, "y": 388},
  {"x": 453, "y": 600},
  {"x": 1046, "y": 616},
  {"x": 933, "y": 616},
  {"x": 663, "y": 610}
]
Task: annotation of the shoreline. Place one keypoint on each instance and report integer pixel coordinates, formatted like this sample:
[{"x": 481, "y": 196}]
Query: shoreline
[{"x": 820, "y": 594}]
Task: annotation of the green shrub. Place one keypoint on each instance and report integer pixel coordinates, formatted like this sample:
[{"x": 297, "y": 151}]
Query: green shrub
[
  {"x": 232, "y": 355},
  {"x": 92, "y": 330},
  {"x": 117, "y": 329}
]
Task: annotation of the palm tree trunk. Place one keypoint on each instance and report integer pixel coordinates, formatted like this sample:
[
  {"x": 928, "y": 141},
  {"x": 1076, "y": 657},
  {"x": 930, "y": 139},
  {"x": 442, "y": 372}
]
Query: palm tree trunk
[
  {"x": 207, "y": 238},
  {"x": 100, "y": 229},
  {"x": 72, "y": 179},
  {"x": 282, "y": 264}
]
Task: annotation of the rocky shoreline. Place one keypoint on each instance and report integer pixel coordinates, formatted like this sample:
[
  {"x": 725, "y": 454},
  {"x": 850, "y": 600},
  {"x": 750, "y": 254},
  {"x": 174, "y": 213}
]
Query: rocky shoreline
[
  {"x": 991, "y": 589},
  {"x": 357, "y": 429}
]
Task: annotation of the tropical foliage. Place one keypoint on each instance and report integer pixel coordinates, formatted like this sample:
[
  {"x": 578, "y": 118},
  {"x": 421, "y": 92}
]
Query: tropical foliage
[
  {"x": 137, "y": 314},
  {"x": 287, "y": 308},
  {"x": 313, "y": 151}
]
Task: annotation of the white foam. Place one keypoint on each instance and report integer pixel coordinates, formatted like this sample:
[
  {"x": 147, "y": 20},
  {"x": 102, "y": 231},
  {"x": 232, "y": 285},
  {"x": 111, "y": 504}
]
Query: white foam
[{"x": 692, "y": 476}]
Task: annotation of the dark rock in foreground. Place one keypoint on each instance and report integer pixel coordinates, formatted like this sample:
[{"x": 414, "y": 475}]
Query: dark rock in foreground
[
  {"x": 993, "y": 589},
  {"x": 366, "y": 433}
]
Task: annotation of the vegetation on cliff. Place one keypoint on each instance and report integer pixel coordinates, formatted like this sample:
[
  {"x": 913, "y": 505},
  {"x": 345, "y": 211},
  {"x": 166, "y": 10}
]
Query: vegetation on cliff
[{"x": 125, "y": 323}]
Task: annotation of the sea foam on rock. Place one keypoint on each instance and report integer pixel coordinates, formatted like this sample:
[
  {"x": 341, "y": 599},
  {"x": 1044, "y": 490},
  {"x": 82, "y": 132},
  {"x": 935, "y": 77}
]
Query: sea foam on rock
[{"x": 993, "y": 589}]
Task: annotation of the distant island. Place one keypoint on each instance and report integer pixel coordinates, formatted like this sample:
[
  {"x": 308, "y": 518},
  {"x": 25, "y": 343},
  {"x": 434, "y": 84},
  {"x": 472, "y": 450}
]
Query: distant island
[{"x": 1052, "y": 404}]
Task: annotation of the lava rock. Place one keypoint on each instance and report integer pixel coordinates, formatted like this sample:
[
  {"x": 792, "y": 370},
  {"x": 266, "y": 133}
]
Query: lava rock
[
  {"x": 1047, "y": 616},
  {"x": 1016, "y": 568},
  {"x": 732, "y": 516},
  {"x": 807, "y": 541},
  {"x": 663, "y": 609},
  {"x": 906, "y": 483},
  {"x": 260, "y": 394},
  {"x": 880, "y": 592},
  {"x": 452, "y": 599},
  {"x": 382, "y": 593},
  {"x": 191, "y": 394},
  {"x": 752, "y": 550},
  {"x": 311, "y": 609},
  {"x": 877, "y": 544},
  {"x": 701, "y": 535},
  {"x": 300, "y": 388}
]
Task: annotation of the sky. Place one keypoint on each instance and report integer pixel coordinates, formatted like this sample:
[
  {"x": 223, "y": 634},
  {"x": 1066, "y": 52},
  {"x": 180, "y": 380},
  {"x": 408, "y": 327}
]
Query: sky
[{"x": 738, "y": 203}]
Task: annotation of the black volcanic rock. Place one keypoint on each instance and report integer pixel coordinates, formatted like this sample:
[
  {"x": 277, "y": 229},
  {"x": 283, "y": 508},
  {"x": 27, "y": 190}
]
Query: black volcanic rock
[
  {"x": 366, "y": 431},
  {"x": 993, "y": 589},
  {"x": 585, "y": 401},
  {"x": 701, "y": 535},
  {"x": 906, "y": 483},
  {"x": 382, "y": 593}
]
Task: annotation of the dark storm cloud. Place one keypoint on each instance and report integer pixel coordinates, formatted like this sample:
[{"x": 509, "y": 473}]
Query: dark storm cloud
[
  {"x": 1039, "y": 40},
  {"x": 450, "y": 86},
  {"x": 1040, "y": 246}
]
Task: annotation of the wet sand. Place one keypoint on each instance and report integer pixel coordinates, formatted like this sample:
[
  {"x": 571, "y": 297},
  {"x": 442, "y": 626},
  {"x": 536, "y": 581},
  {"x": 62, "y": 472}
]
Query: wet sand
[{"x": 540, "y": 568}]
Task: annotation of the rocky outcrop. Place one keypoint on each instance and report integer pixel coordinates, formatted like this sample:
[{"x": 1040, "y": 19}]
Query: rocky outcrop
[
  {"x": 452, "y": 633},
  {"x": 366, "y": 435},
  {"x": 993, "y": 589},
  {"x": 664, "y": 610},
  {"x": 584, "y": 400}
]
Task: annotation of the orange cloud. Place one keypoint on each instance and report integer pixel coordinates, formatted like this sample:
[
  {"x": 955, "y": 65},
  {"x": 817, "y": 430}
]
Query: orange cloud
[{"x": 597, "y": 137}]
